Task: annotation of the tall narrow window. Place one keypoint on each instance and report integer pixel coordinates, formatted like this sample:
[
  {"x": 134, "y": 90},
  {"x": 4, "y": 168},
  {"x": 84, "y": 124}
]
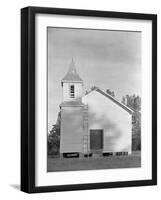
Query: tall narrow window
[{"x": 72, "y": 91}]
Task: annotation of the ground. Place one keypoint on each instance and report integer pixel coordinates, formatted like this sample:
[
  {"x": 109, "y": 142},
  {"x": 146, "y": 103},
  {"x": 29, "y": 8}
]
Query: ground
[{"x": 113, "y": 162}]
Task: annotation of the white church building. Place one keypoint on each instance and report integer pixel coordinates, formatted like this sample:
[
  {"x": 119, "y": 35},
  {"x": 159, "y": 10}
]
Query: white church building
[{"x": 92, "y": 124}]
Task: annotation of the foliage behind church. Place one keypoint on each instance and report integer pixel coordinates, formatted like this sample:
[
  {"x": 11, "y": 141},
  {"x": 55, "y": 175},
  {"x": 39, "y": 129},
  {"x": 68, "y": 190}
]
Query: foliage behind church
[
  {"x": 134, "y": 102},
  {"x": 54, "y": 140}
]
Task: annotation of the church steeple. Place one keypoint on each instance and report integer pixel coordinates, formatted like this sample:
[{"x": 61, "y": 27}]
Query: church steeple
[
  {"x": 72, "y": 75},
  {"x": 72, "y": 84}
]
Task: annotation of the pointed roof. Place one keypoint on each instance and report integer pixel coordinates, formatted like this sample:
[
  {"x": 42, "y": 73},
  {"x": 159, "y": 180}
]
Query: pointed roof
[
  {"x": 129, "y": 110},
  {"x": 72, "y": 75}
]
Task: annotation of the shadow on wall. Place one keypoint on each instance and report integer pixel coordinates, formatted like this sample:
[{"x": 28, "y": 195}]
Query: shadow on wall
[
  {"x": 113, "y": 135},
  {"x": 71, "y": 129},
  {"x": 73, "y": 117},
  {"x": 116, "y": 136},
  {"x": 15, "y": 186}
]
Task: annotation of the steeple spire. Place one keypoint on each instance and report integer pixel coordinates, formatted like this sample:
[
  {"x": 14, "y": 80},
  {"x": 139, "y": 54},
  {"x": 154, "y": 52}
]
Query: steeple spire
[
  {"x": 72, "y": 68},
  {"x": 72, "y": 75}
]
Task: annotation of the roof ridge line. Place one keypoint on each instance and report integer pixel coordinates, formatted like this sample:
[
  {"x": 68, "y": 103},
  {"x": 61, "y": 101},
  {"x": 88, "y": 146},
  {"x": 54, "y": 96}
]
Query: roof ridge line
[{"x": 114, "y": 99}]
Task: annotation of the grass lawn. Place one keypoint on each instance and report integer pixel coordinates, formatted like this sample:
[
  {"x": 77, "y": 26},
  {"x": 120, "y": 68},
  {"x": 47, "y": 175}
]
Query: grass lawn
[{"x": 113, "y": 162}]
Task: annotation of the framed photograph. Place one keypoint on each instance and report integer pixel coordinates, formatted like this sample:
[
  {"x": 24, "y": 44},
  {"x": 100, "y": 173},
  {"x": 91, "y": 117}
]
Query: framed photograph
[{"x": 88, "y": 99}]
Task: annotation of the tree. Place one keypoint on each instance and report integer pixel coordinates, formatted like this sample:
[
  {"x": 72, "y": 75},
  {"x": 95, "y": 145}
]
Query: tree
[
  {"x": 111, "y": 93},
  {"x": 123, "y": 100},
  {"x": 91, "y": 89},
  {"x": 136, "y": 131},
  {"x": 94, "y": 88},
  {"x": 54, "y": 140},
  {"x": 134, "y": 102}
]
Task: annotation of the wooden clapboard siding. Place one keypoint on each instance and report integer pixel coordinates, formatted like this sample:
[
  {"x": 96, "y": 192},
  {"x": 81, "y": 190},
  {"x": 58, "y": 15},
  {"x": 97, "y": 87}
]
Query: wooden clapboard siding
[
  {"x": 71, "y": 134},
  {"x": 78, "y": 90},
  {"x": 85, "y": 130},
  {"x": 103, "y": 113}
]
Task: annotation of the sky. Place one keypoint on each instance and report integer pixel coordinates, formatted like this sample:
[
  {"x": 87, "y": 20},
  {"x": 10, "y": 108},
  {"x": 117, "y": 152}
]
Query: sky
[{"x": 103, "y": 58}]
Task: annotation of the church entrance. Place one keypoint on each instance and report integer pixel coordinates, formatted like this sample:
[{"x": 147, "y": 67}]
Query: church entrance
[{"x": 96, "y": 140}]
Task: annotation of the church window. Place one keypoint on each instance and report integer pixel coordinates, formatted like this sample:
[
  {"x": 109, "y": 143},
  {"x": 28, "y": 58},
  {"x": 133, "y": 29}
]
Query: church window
[{"x": 72, "y": 91}]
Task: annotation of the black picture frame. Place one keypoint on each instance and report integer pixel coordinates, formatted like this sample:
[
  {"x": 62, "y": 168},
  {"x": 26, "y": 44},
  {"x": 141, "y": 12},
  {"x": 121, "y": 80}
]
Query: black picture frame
[{"x": 28, "y": 98}]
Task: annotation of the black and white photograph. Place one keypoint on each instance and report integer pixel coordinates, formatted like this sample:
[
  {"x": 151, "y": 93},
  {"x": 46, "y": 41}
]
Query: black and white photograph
[
  {"x": 94, "y": 99},
  {"x": 89, "y": 99}
]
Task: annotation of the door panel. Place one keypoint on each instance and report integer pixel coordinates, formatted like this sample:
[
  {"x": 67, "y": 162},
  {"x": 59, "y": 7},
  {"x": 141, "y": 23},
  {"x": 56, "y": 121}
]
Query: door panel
[{"x": 96, "y": 139}]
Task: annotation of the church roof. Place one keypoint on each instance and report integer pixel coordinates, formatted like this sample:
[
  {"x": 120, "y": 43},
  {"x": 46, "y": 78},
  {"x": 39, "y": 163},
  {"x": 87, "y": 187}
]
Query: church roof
[
  {"x": 129, "y": 110},
  {"x": 72, "y": 103},
  {"x": 72, "y": 75},
  {"x": 116, "y": 101}
]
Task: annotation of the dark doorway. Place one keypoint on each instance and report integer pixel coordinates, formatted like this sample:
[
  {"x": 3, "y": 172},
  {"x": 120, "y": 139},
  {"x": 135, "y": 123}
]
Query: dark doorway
[{"x": 96, "y": 139}]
